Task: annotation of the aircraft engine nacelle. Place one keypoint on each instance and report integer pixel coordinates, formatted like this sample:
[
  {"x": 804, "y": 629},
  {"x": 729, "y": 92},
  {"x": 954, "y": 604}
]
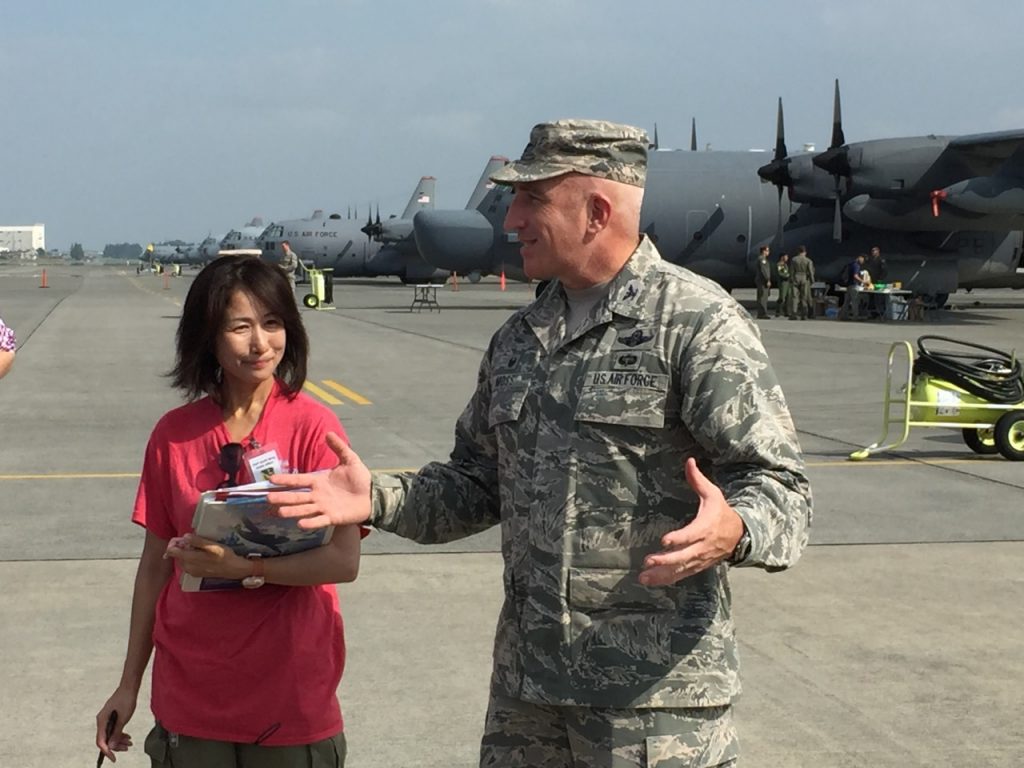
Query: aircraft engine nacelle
[
  {"x": 986, "y": 194},
  {"x": 912, "y": 216},
  {"x": 809, "y": 184},
  {"x": 394, "y": 230},
  {"x": 455, "y": 241}
]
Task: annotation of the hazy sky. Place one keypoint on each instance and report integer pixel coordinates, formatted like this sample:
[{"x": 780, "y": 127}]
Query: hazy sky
[{"x": 144, "y": 120}]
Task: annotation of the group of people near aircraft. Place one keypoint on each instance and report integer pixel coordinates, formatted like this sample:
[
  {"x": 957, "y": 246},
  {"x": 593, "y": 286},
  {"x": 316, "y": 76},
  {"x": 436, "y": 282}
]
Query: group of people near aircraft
[{"x": 627, "y": 434}]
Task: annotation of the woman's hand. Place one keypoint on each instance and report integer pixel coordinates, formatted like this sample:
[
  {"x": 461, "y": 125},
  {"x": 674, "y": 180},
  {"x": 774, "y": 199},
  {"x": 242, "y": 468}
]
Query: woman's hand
[
  {"x": 204, "y": 558},
  {"x": 123, "y": 702}
]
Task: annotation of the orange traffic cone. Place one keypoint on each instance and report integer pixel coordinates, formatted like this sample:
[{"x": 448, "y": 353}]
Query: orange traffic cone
[
  {"x": 42, "y": 281},
  {"x": 503, "y": 279}
]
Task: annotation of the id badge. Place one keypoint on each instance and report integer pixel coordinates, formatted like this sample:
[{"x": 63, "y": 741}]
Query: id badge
[{"x": 264, "y": 461}]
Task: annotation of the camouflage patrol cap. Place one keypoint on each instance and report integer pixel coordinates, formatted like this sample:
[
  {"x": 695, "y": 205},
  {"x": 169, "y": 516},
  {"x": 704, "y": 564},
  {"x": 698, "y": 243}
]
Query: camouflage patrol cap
[{"x": 591, "y": 147}]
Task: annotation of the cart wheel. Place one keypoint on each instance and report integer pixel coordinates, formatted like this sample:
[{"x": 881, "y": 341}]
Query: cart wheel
[
  {"x": 981, "y": 441},
  {"x": 1009, "y": 435},
  {"x": 310, "y": 300}
]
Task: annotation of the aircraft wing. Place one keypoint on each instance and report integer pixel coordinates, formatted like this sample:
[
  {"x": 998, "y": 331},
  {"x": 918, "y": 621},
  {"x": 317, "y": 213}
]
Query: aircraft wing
[{"x": 993, "y": 148}]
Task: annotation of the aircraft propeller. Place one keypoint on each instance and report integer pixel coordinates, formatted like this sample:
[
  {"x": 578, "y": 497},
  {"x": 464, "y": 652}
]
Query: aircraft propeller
[
  {"x": 776, "y": 172},
  {"x": 693, "y": 134},
  {"x": 372, "y": 228},
  {"x": 836, "y": 161}
]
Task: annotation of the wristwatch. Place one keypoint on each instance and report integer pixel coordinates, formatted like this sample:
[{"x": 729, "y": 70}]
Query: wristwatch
[
  {"x": 739, "y": 554},
  {"x": 255, "y": 580}
]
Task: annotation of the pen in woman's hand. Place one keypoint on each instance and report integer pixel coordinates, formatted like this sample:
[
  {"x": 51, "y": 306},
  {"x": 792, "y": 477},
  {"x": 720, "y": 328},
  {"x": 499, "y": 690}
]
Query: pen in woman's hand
[{"x": 111, "y": 723}]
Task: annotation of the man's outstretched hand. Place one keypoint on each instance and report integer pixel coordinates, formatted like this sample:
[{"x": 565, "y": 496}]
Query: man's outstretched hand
[
  {"x": 708, "y": 539},
  {"x": 338, "y": 497}
]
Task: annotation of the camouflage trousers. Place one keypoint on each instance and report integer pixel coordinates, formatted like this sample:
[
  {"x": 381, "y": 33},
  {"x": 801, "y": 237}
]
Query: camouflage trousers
[{"x": 518, "y": 734}]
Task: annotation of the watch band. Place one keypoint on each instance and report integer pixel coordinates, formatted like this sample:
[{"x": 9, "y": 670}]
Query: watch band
[
  {"x": 742, "y": 550},
  {"x": 256, "y": 579}
]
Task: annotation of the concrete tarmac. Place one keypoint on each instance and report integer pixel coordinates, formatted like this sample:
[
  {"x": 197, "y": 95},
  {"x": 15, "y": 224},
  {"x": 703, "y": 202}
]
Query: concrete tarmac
[{"x": 896, "y": 641}]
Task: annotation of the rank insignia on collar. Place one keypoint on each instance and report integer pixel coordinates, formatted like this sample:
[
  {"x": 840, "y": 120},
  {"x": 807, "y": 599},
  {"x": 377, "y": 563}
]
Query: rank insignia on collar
[{"x": 631, "y": 291}]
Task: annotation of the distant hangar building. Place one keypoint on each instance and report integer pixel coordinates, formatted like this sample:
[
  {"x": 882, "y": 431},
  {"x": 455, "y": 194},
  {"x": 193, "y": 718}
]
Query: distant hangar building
[{"x": 26, "y": 238}]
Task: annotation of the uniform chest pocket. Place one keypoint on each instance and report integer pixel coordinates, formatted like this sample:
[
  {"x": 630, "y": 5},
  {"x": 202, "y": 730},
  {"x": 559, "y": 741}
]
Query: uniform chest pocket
[
  {"x": 632, "y": 399},
  {"x": 507, "y": 397},
  {"x": 614, "y": 415}
]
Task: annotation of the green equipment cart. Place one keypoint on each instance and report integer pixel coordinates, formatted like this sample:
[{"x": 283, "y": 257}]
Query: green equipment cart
[{"x": 953, "y": 384}]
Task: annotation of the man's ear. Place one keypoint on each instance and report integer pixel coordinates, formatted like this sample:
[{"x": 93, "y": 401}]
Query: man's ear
[{"x": 599, "y": 212}]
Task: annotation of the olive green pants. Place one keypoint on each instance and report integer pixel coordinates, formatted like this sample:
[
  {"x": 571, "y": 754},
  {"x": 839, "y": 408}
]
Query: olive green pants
[
  {"x": 172, "y": 750},
  {"x": 782, "y": 304}
]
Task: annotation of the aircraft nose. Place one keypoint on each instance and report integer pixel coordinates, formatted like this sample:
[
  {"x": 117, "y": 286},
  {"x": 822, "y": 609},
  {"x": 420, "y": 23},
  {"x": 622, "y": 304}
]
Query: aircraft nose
[{"x": 455, "y": 241}]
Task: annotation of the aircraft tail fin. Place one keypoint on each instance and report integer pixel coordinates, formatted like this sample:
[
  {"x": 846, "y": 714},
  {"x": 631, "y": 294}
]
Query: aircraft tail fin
[
  {"x": 422, "y": 197},
  {"x": 485, "y": 184}
]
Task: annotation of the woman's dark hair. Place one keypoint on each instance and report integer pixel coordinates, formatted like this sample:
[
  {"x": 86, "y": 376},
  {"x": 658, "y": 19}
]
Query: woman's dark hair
[{"x": 196, "y": 370}]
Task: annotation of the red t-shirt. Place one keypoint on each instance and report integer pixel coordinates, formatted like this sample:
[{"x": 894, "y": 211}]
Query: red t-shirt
[{"x": 240, "y": 664}]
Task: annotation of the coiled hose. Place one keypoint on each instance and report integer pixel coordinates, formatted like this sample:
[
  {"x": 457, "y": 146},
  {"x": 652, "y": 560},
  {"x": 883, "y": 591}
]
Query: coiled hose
[{"x": 991, "y": 374}]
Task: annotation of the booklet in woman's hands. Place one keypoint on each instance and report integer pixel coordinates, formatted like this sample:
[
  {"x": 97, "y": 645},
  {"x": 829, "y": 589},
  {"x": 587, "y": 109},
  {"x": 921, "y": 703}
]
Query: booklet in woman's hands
[{"x": 240, "y": 518}]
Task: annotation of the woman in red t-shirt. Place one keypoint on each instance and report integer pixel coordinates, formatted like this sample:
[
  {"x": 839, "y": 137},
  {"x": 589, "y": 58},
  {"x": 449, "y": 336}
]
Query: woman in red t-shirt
[{"x": 240, "y": 676}]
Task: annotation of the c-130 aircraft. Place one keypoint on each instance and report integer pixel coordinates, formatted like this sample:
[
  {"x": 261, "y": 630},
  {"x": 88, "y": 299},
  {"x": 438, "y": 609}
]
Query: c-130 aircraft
[
  {"x": 947, "y": 212},
  {"x": 377, "y": 248}
]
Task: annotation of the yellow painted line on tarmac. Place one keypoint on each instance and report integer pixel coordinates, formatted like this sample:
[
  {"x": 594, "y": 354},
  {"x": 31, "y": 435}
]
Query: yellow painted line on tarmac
[
  {"x": 73, "y": 476},
  {"x": 133, "y": 475},
  {"x": 134, "y": 280},
  {"x": 395, "y": 470},
  {"x": 323, "y": 394},
  {"x": 346, "y": 392},
  {"x": 883, "y": 462}
]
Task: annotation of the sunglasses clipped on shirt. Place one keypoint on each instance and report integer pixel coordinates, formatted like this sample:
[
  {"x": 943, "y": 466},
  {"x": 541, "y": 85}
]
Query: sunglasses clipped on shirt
[
  {"x": 230, "y": 463},
  {"x": 231, "y": 458}
]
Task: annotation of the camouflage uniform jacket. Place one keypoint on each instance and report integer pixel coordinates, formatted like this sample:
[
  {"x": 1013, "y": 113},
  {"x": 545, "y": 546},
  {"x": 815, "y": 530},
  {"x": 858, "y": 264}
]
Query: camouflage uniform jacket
[
  {"x": 576, "y": 448},
  {"x": 289, "y": 262}
]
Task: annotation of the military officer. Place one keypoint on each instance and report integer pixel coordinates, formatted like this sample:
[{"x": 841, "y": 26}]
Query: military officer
[
  {"x": 629, "y": 436},
  {"x": 801, "y": 275},
  {"x": 782, "y": 269},
  {"x": 763, "y": 282},
  {"x": 289, "y": 262}
]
